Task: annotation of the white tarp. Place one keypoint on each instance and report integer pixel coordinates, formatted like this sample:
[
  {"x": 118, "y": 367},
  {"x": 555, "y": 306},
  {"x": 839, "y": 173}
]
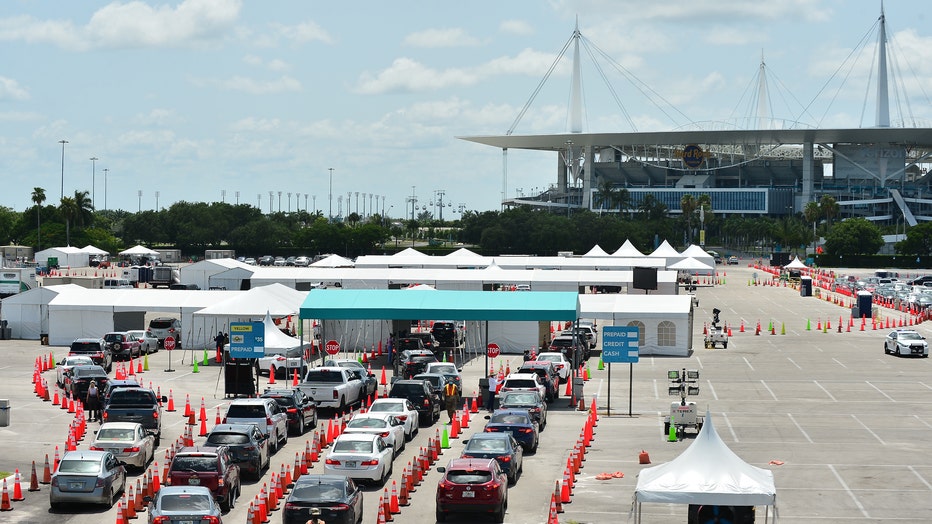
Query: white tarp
[
  {"x": 199, "y": 273},
  {"x": 671, "y": 314},
  {"x": 27, "y": 313},
  {"x": 139, "y": 250},
  {"x": 690, "y": 264},
  {"x": 709, "y": 473}
]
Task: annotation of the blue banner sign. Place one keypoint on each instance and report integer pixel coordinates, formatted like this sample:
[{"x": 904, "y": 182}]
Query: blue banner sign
[
  {"x": 247, "y": 339},
  {"x": 620, "y": 344}
]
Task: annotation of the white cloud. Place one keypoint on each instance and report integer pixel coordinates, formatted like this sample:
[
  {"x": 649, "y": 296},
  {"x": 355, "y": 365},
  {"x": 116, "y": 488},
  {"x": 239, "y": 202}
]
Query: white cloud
[
  {"x": 283, "y": 84},
  {"x": 721, "y": 35},
  {"x": 451, "y": 37},
  {"x": 275, "y": 64},
  {"x": 11, "y": 90},
  {"x": 304, "y": 32},
  {"x": 407, "y": 75},
  {"x": 131, "y": 24},
  {"x": 516, "y": 27}
]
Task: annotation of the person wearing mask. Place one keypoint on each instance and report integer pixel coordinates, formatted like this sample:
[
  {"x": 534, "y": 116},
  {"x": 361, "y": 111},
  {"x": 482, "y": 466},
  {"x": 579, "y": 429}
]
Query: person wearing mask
[
  {"x": 92, "y": 401},
  {"x": 219, "y": 340},
  {"x": 493, "y": 388},
  {"x": 450, "y": 392}
]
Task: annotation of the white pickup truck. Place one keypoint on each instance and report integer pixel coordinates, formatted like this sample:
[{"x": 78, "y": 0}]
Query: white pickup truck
[{"x": 334, "y": 387}]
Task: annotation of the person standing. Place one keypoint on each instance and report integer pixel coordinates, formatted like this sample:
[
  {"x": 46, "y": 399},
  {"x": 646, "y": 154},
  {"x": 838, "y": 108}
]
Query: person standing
[
  {"x": 92, "y": 401},
  {"x": 450, "y": 392},
  {"x": 493, "y": 388},
  {"x": 219, "y": 340}
]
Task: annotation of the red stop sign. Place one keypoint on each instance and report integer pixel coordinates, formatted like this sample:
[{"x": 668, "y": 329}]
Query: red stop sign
[
  {"x": 169, "y": 343},
  {"x": 492, "y": 350},
  {"x": 332, "y": 347}
]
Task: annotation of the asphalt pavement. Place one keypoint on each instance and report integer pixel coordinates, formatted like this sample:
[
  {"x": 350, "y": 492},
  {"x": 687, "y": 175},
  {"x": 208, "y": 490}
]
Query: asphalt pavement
[{"x": 841, "y": 424}]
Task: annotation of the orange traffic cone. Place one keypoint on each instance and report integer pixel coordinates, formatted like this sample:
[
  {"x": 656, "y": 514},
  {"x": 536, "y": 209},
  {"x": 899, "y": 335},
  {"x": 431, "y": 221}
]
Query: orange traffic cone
[
  {"x": 120, "y": 514},
  {"x": 130, "y": 504},
  {"x": 187, "y": 405},
  {"x": 202, "y": 415},
  {"x": 33, "y": 478},
  {"x": 271, "y": 374},
  {"x": 171, "y": 402},
  {"x": 17, "y": 487},
  {"x": 294, "y": 379},
  {"x": 203, "y": 431},
  {"x": 47, "y": 473}
]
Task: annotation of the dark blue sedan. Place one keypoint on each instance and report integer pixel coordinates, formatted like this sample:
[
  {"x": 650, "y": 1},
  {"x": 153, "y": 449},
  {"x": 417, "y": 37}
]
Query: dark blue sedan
[
  {"x": 502, "y": 447},
  {"x": 519, "y": 423}
]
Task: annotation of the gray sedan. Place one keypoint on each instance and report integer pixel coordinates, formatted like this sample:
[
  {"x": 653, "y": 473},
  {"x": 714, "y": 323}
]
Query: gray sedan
[
  {"x": 91, "y": 477},
  {"x": 128, "y": 441},
  {"x": 188, "y": 503}
]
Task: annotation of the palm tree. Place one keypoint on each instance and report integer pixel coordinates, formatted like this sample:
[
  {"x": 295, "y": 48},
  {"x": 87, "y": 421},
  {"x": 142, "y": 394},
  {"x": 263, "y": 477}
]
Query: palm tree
[
  {"x": 829, "y": 207},
  {"x": 689, "y": 205},
  {"x": 38, "y": 197},
  {"x": 85, "y": 208},
  {"x": 68, "y": 209},
  {"x": 812, "y": 212}
]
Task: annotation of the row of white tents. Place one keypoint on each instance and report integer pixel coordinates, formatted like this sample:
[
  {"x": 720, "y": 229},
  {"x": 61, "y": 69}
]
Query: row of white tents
[{"x": 80, "y": 256}]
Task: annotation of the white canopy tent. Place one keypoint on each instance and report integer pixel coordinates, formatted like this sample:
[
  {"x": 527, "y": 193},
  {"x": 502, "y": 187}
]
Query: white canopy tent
[
  {"x": 93, "y": 250},
  {"x": 691, "y": 265},
  {"x": 796, "y": 264},
  {"x": 699, "y": 254},
  {"x": 199, "y": 273},
  {"x": 627, "y": 250},
  {"x": 596, "y": 251},
  {"x": 706, "y": 473},
  {"x": 139, "y": 250},
  {"x": 666, "y": 321},
  {"x": 275, "y": 300},
  {"x": 27, "y": 313},
  {"x": 666, "y": 252},
  {"x": 334, "y": 261},
  {"x": 67, "y": 256}
]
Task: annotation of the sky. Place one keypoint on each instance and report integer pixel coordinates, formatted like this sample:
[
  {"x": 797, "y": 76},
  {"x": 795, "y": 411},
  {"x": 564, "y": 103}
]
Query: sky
[{"x": 210, "y": 100}]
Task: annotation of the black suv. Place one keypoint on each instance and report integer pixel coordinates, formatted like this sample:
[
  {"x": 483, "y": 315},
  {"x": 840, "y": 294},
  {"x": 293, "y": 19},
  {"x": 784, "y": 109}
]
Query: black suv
[
  {"x": 422, "y": 395},
  {"x": 413, "y": 362},
  {"x": 300, "y": 409},
  {"x": 430, "y": 342},
  {"x": 96, "y": 348},
  {"x": 446, "y": 333},
  {"x": 80, "y": 377},
  {"x": 249, "y": 448}
]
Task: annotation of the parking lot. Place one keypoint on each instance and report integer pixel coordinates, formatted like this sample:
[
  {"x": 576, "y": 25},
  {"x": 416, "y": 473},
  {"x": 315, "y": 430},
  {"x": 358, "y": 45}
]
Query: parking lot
[{"x": 845, "y": 422}]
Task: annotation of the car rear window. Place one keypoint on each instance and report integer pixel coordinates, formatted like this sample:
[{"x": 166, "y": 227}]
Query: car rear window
[
  {"x": 227, "y": 438},
  {"x": 562, "y": 342},
  {"x": 509, "y": 418},
  {"x": 519, "y": 383},
  {"x": 186, "y": 502},
  {"x": 319, "y": 491},
  {"x": 132, "y": 397},
  {"x": 117, "y": 434},
  {"x": 462, "y": 476},
  {"x": 283, "y": 401},
  {"x": 161, "y": 324},
  {"x": 518, "y": 399},
  {"x": 405, "y": 389},
  {"x": 386, "y": 407},
  {"x": 326, "y": 376},
  {"x": 367, "y": 422},
  {"x": 79, "y": 466},
  {"x": 85, "y": 347},
  {"x": 198, "y": 463},
  {"x": 352, "y": 446},
  {"x": 486, "y": 444},
  {"x": 246, "y": 411}
]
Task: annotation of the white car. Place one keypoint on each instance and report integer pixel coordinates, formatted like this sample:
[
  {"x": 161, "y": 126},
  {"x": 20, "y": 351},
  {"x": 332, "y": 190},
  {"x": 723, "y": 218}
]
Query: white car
[
  {"x": 264, "y": 413},
  {"x": 129, "y": 442},
  {"x": 64, "y": 367},
  {"x": 523, "y": 382},
  {"x": 284, "y": 362},
  {"x": 148, "y": 343},
  {"x": 302, "y": 261},
  {"x": 402, "y": 409},
  {"x": 360, "y": 456},
  {"x": 559, "y": 362},
  {"x": 906, "y": 342},
  {"x": 384, "y": 425}
]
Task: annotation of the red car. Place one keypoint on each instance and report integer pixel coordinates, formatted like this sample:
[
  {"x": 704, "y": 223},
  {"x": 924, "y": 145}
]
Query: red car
[
  {"x": 472, "y": 485},
  {"x": 212, "y": 468},
  {"x": 123, "y": 346}
]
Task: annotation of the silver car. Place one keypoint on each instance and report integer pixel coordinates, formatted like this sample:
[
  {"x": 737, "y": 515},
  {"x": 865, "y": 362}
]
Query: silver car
[
  {"x": 184, "y": 504},
  {"x": 66, "y": 364},
  {"x": 148, "y": 343},
  {"x": 92, "y": 477},
  {"x": 128, "y": 441}
]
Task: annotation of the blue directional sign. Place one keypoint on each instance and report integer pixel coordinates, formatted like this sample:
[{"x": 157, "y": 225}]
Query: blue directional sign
[
  {"x": 620, "y": 344},
  {"x": 247, "y": 339}
]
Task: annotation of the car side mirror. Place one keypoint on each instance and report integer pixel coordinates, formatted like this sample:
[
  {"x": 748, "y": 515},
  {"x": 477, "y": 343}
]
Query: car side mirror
[{"x": 163, "y": 398}]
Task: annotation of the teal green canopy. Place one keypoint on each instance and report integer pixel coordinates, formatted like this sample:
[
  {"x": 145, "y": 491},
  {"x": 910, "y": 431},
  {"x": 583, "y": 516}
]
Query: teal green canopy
[{"x": 408, "y": 304}]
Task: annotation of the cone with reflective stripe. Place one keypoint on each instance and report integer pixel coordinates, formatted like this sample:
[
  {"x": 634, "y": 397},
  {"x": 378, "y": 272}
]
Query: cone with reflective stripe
[
  {"x": 386, "y": 506},
  {"x": 393, "y": 502},
  {"x": 171, "y": 402},
  {"x": 17, "y": 487},
  {"x": 33, "y": 478},
  {"x": 129, "y": 510},
  {"x": 120, "y": 518},
  {"x": 47, "y": 472}
]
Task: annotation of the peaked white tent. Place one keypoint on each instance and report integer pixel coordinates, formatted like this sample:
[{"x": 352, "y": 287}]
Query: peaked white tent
[
  {"x": 699, "y": 254},
  {"x": 277, "y": 342},
  {"x": 627, "y": 250},
  {"x": 139, "y": 250},
  {"x": 334, "y": 261},
  {"x": 707, "y": 473},
  {"x": 463, "y": 253},
  {"x": 93, "y": 250},
  {"x": 796, "y": 264},
  {"x": 690, "y": 264},
  {"x": 596, "y": 251},
  {"x": 67, "y": 256}
]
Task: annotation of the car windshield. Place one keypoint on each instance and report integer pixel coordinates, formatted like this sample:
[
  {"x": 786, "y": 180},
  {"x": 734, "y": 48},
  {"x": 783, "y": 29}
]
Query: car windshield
[
  {"x": 224, "y": 439},
  {"x": 119, "y": 434},
  {"x": 462, "y": 476},
  {"x": 367, "y": 422},
  {"x": 486, "y": 444},
  {"x": 319, "y": 491},
  {"x": 910, "y": 336},
  {"x": 185, "y": 502},
  {"x": 553, "y": 357},
  {"x": 352, "y": 446},
  {"x": 284, "y": 401},
  {"x": 79, "y": 466},
  {"x": 194, "y": 463},
  {"x": 246, "y": 411}
]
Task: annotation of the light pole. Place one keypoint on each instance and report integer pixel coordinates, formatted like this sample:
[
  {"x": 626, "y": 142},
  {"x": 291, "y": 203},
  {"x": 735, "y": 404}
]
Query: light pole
[
  {"x": 223, "y": 196},
  {"x": 106, "y": 171},
  {"x": 259, "y": 201},
  {"x": 314, "y": 199},
  {"x": 139, "y": 207},
  {"x": 157, "y": 200},
  {"x": 237, "y": 198},
  {"x": 94, "y": 160},
  {"x": 62, "y": 142},
  {"x": 271, "y": 194},
  {"x": 289, "y": 201},
  {"x": 413, "y": 201},
  {"x": 279, "y": 201},
  {"x": 330, "y": 196}
]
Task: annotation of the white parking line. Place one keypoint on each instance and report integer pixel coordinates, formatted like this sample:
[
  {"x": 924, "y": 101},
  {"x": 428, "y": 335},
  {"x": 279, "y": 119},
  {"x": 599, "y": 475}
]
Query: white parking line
[
  {"x": 772, "y": 394},
  {"x": 748, "y": 363},
  {"x": 794, "y": 363},
  {"x": 730, "y": 427},
  {"x": 712, "y": 389},
  {"x": 800, "y": 428},
  {"x": 839, "y": 362},
  {"x": 923, "y": 384},
  {"x": 922, "y": 420},
  {"x": 816, "y": 382},
  {"x": 891, "y": 399},
  {"x": 869, "y": 430},
  {"x": 921, "y": 479},
  {"x": 656, "y": 392},
  {"x": 850, "y": 493}
]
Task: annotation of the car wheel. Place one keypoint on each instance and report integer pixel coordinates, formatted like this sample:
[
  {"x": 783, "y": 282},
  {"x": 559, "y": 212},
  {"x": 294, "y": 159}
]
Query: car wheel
[
  {"x": 441, "y": 516},
  {"x": 499, "y": 516},
  {"x": 300, "y": 429},
  {"x": 886, "y": 350},
  {"x": 284, "y": 440},
  {"x": 273, "y": 444},
  {"x": 227, "y": 502},
  {"x": 666, "y": 428},
  {"x": 898, "y": 351}
]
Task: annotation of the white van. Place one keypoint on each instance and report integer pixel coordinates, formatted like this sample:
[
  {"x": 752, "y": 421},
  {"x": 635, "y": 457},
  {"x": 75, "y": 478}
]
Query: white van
[{"x": 117, "y": 283}]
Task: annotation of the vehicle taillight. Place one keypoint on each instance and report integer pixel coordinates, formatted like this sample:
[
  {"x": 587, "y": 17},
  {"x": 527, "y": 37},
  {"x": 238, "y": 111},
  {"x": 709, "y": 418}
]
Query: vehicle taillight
[
  {"x": 331, "y": 462},
  {"x": 426, "y": 402},
  {"x": 369, "y": 463},
  {"x": 292, "y": 410},
  {"x": 155, "y": 413},
  {"x": 490, "y": 430},
  {"x": 249, "y": 448},
  {"x": 210, "y": 519},
  {"x": 335, "y": 394},
  {"x": 96, "y": 448},
  {"x": 268, "y": 421},
  {"x": 466, "y": 456},
  {"x": 55, "y": 481},
  {"x": 525, "y": 430},
  {"x": 402, "y": 417},
  {"x": 99, "y": 483},
  {"x": 134, "y": 449},
  {"x": 105, "y": 416},
  {"x": 220, "y": 482},
  {"x": 171, "y": 330},
  {"x": 384, "y": 434},
  {"x": 162, "y": 520},
  {"x": 505, "y": 458}
]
